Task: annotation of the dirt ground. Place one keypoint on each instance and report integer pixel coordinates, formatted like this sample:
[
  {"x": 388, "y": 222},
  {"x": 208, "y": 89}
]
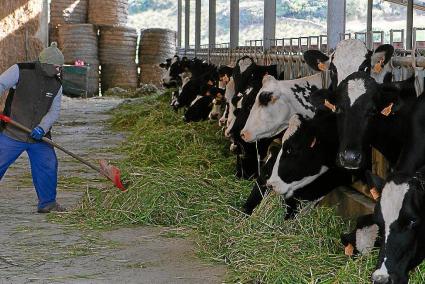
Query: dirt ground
[{"x": 33, "y": 250}]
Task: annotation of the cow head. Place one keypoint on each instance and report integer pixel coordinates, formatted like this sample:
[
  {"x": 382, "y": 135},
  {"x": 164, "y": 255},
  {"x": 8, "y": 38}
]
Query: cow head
[
  {"x": 224, "y": 74},
  {"x": 218, "y": 105},
  {"x": 351, "y": 55},
  {"x": 401, "y": 219},
  {"x": 358, "y": 101},
  {"x": 299, "y": 161},
  {"x": 172, "y": 77},
  {"x": 274, "y": 105}
]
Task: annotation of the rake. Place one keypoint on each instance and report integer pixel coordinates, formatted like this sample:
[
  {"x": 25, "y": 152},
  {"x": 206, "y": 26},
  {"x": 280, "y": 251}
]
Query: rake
[{"x": 110, "y": 172}]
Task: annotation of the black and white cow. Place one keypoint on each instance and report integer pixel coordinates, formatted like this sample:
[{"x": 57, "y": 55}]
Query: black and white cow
[
  {"x": 363, "y": 238},
  {"x": 276, "y": 102},
  {"x": 305, "y": 166},
  {"x": 201, "y": 107},
  {"x": 350, "y": 56},
  {"x": 220, "y": 103},
  {"x": 388, "y": 116},
  {"x": 202, "y": 74},
  {"x": 400, "y": 216}
]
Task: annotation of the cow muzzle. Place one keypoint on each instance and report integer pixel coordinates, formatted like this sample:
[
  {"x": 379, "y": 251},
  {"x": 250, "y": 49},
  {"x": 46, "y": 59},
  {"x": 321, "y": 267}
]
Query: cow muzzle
[
  {"x": 380, "y": 278},
  {"x": 350, "y": 159},
  {"x": 246, "y": 136}
]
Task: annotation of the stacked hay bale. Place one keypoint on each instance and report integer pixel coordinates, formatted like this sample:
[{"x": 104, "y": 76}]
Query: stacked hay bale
[
  {"x": 117, "y": 54},
  {"x": 108, "y": 12},
  {"x": 79, "y": 42},
  {"x": 64, "y": 12},
  {"x": 155, "y": 46}
]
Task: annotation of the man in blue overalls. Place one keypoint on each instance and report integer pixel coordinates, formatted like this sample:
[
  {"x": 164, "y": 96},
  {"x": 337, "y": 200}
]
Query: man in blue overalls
[{"x": 34, "y": 100}]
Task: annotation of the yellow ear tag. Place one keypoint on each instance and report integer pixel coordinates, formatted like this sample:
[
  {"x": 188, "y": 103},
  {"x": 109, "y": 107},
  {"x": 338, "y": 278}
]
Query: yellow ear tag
[
  {"x": 375, "y": 194},
  {"x": 387, "y": 111},
  {"x": 349, "y": 250},
  {"x": 330, "y": 106},
  {"x": 322, "y": 66},
  {"x": 378, "y": 66},
  {"x": 313, "y": 143}
]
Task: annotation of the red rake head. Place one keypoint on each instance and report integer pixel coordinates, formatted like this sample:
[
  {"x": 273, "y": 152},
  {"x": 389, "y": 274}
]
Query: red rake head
[{"x": 112, "y": 173}]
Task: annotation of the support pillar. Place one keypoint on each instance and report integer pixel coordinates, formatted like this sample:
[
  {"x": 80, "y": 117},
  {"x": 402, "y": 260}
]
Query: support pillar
[
  {"x": 234, "y": 23},
  {"x": 179, "y": 24},
  {"x": 269, "y": 31},
  {"x": 336, "y": 21},
  {"x": 197, "y": 24},
  {"x": 212, "y": 23},
  {"x": 369, "y": 35},
  {"x": 409, "y": 25},
  {"x": 186, "y": 24}
]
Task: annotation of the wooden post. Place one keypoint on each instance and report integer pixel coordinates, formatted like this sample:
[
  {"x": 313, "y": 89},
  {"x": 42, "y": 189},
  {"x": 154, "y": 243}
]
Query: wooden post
[
  {"x": 269, "y": 31},
  {"x": 234, "y": 23}
]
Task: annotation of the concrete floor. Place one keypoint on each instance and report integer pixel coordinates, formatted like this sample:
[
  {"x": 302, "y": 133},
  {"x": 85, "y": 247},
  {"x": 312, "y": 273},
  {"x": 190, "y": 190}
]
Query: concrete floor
[{"x": 33, "y": 250}]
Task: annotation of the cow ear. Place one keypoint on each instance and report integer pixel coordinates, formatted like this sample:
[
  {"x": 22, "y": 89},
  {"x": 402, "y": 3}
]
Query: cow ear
[
  {"x": 381, "y": 57},
  {"x": 316, "y": 60},
  {"x": 162, "y": 65},
  {"x": 375, "y": 184},
  {"x": 324, "y": 100}
]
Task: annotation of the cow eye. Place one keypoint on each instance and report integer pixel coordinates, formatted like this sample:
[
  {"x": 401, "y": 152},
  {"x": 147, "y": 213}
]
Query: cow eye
[
  {"x": 264, "y": 98},
  {"x": 412, "y": 224}
]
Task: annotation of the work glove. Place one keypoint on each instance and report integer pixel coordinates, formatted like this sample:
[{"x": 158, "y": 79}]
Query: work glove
[{"x": 37, "y": 133}]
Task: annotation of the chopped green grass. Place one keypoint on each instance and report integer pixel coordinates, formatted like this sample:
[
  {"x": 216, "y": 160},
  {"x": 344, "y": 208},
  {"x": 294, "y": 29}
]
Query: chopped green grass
[{"x": 181, "y": 175}]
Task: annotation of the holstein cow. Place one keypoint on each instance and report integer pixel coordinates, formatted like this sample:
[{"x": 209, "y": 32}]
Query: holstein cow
[
  {"x": 201, "y": 107},
  {"x": 400, "y": 216},
  {"x": 276, "y": 102},
  {"x": 305, "y": 166},
  {"x": 351, "y": 55},
  {"x": 202, "y": 74},
  {"x": 220, "y": 102},
  {"x": 387, "y": 116},
  {"x": 363, "y": 238},
  {"x": 247, "y": 77}
]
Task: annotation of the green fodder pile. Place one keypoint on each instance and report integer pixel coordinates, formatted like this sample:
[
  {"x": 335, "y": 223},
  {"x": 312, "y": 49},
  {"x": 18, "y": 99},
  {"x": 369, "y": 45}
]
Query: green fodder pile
[{"x": 181, "y": 175}]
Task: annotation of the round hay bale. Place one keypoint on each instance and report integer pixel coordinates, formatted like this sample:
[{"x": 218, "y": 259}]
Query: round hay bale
[
  {"x": 151, "y": 74},
  {"x": 156, "y": 45},
  {"x": 117, "y": 45},
  {"x": 119, "y": 75},
  {"x": 68, "y": 12},
  {"x": 78, "y": 42},
  {"x": 108, "y": 12}
]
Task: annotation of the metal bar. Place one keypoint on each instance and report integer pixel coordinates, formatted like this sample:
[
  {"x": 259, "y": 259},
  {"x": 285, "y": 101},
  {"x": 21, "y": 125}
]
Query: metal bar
[
  {"x": 212, "y": 22},
  {"x": 186, "y": 24},
  {"x": 197, "y": 24},
  {"x": 269, "y": 29},
  {"x": 369, "y": 37},
  {"x": 179, "y": 24},
  {"x": 234, "y": 23},
  {"x": 336, "y": 21},
  {"x": 402, "y": 2},
  {"x": 409, "y": 25}
]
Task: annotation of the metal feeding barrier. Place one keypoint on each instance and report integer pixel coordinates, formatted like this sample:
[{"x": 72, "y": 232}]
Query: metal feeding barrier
[{"x": 287, "y": 54}]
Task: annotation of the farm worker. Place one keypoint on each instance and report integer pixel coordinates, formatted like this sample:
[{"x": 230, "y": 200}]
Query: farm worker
[{"x": 34, "y": 100}]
